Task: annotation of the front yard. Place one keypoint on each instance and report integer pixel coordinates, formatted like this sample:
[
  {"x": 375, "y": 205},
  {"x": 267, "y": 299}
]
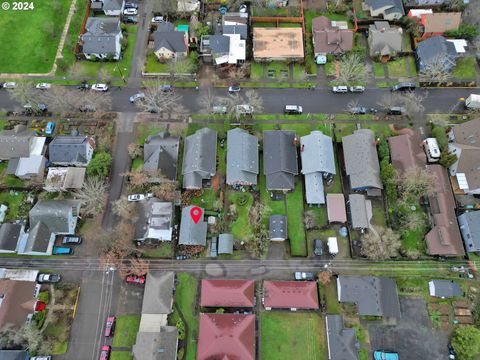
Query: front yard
[
  {"x": 295, "y": 227},
  {"x": 29, "y": 38},
  {"x": 126, "y": 330},
  {"x": 286, "y": 335},
  {"x": 465, "y": 68},
  {"x": 240, "y": 227}
]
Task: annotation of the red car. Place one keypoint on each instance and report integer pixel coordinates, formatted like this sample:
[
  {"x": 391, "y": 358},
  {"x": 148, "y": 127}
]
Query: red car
[
  {"x": 109, "y": 326},
  {"x": 105, "y": 354},
  {"x": 134, "y": 279}
]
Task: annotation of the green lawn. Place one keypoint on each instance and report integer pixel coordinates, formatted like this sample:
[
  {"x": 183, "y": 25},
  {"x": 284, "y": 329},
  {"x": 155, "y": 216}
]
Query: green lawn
[
  {"x": 336, "y": 187},
  {"x": 121, "y": 355},
  {"x": 329, "y": 292},
  {"x": 137, "y": 164},
  {"x": 29, "y": 39},
  {"x": 17, "y": 208},
  {"x": 465, "y": 68},
  {"x": 342, "y": 130},
  {"x": 144, "y": 130},
  {"x": 414, "y": 239},
  {"x": 186, "y": 298},
  {"x": 397, "y": 68},
  {"x": 126, "y": 329},
  {"x": 162, "y": 250},
  {"x": 271, "y": 207},
  {"x": 330, "y": 68},
  {"x": 59, "y": 332},
  {"x": 295, "y": 226},
  {"x": 413, "y": 65},
  {"x": 378, "y": 70},
  {"x": 114, "y": 68},
  {"x": 208, "y": 200},
  {"x": 321, "y": 215},
  {"x": 298, "y": 72},
  {"x": 278, "y": 68},
  {"x": 87, "y": 68},
  {"x": 407, "y": 42},
  {"x": 256, "y": 71},
  {"x": 379, "y": 216},
  {"x": 154, "y": 66},
  {"x": 286, "y": 335},
  {"x": 241, "y": 228}
]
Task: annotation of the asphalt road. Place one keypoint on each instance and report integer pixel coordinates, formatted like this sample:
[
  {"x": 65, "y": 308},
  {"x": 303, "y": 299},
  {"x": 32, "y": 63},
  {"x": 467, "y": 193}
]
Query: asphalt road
[{"x": 313, "y": 101}]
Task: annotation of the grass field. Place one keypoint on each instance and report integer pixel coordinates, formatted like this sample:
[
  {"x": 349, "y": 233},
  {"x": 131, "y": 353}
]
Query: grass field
[
  {"x": 465, "y": 68},
  {"x": 29, "y": 39},
  {"x": 397, "y": 68},
  {"x": 185, "y": 297},
  {"x": 126, "y": 329},
  {"x": 285, "y": 336},
  {"x": 241, "y": 228},
  {"x": 295, "y": 227},
  {"x": 121, "y": 355}
]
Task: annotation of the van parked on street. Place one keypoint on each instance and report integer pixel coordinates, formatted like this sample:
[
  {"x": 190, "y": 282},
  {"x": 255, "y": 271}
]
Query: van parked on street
[{"x": 293, "y": 109}]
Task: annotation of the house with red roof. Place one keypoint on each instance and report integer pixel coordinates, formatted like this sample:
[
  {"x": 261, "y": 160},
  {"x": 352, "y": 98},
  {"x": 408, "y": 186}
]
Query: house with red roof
[
  {"x": 226, "y": 336},
  {"x": 227, "y": 293},
  {"x": 290, "y": 295}
]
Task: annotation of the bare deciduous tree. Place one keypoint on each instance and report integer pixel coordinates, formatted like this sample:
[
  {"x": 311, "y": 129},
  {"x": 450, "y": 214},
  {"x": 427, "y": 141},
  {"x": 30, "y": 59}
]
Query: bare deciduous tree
[
  {"x": 91, "y": 196},
  {"x": 254, "y": 99},
  {"x": 381, "y": 244},
  {"x": 309, "y": 220},
  {"x": 61, "y": 100},
  {"x": 325, "y": 277},
  {"x": 134, "y": 266},
  {"x": 352, "y": 70},
  {"x": 415, "y": 183},
  {"x": 208, "y": 100},
  {"x": 438, "y": 69},
  {"x": 159, "y": 101},
  {"x": 259, "y": 242},
  {"x": 134, "y": 150},
  {"x": 92, "y": 101},
  {"x": 138, "y": 178},
  {"x": 165, "y": 191},
  {"x": 352, "y": 106},
  {"x": 125, "y": 209},
  {"x": 25, "y": 93}
]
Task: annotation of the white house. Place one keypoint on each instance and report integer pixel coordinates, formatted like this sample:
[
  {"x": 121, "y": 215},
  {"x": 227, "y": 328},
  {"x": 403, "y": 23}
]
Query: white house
[{"x": 102, "y": 38}]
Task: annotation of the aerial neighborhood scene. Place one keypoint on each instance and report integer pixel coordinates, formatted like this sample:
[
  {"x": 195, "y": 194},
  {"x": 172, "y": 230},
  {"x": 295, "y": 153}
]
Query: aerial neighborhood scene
[{"x": 239, "y": 179}]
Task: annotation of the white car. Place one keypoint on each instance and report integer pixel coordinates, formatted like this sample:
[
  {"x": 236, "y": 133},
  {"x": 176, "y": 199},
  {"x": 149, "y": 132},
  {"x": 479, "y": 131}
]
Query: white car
[
  {"x": 136, "y": 97},
  {"x": 10, "y": 85},
  {"x": 43, "y": 86},
  {"x": 139, "y": 197},
  {"x": 130, "y": 11},
  {"x": 357, "y": 88},
  {"x": 157, "y": 19},
  {"x": 99, "y": 87},
  {"x": 340, "y": 89}
]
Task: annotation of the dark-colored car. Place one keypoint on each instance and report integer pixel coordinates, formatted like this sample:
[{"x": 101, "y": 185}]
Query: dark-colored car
[
  {"x": 105, "y": 354},
  {"x": 135, "y": 279},
  {"x": 43, "y": 278},
  {"x": 358, "y": 110},
  {"x": 83, "y": 86},
  {"x": 109, "y": 326},
  {"x": 182, "y": 257},
  {"x": 130, "y": 20},
  {"x": 72, "y": 240},
  {"x": 403, "y": 86},
  {"x": 166, "y": 87},
  {"x": 451, "y": 351},
  {"x": 395, "y": 110},
  {"x": 317, "y": 247},
  {"x": 131, "y": 5}
]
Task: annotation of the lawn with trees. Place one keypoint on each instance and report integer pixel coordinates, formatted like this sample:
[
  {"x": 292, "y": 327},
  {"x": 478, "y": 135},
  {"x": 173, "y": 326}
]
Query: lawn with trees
[{"x": 29, "y": 39}]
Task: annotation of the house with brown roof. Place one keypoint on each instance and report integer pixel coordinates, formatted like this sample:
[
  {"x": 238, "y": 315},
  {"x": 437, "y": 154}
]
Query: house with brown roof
[
  {"x": 464, "y": 141},
  {"x": 227, "y": 293},
  {"x": 17, "y": 302},
  {"x": 384, "y": 41},
  {"x": 444, "y": 238},
  {"x": 290, "y": 295},
  {"x": 278, "y": 44},
  {"x": 437, "y": 23},
  {"x": 406, "y": 152},
  {"x": 336, "y": 208},
  {"x": 226, "y": 336},
  {"x": 330, "y": 37}
]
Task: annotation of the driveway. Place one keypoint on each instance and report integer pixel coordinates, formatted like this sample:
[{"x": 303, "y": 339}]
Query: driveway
[{"x": 413, "y": 338}]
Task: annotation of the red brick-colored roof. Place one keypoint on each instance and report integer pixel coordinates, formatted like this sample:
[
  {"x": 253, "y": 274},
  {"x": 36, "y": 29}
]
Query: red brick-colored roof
[
  {"x": 226, "y": 337},
  {"x": 290, "y": 294},
  {"x": 336, "y": 208},
  {"x": 227, "y": 293}
]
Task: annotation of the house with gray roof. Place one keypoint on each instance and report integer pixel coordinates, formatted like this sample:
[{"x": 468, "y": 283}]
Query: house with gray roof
[
  {"x": 155, "y": 221},
  {"x": 242, "y": 158},
  {"x": 14, "y": 355},
  {"x": 213, "y": 47},
  {"x": 160, "y": 345},
  {"x": 469, "y": 223},
  {"x": 10, "y": 235},
  {"x": 169, "y": 43},
  {"x": 16, "y": 143},
  {"x": 225, "y": 244},
  {"x": 318, "y": 160},
  {"x": 387, "y": 9},
  {"x": 199, "y": 158},
  {"x": 109, "y": 7},
  {"x": 277, "y": 228},
  {"x": 28, "y": 168},
  {"x": 191, "y": 232},
  {"x": 157, "y": 300},
  {"x": 102, "y": 38},
  {"x": 434, "y": 51},
  {"x": 160, "y": 154},
  {"x": 64, "y": 179},
  {"x": 39, "y": 241},
  {"x": 384, "y": 41},
  {"x": 68, "y": 150},
  {"x": 60, "y": 216},
  {"x": 360, "y": 211},
  {"x": 235, "y": 23},
  {"x": 374, "y": 296},
  {"x": 342, "y": 342},
  {"x": 280, "y": 159},
  {"x": 361, "y": 160},
  {"x": 444, "y": 289}
]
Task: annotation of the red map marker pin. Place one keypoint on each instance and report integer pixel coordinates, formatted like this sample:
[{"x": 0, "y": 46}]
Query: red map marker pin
[{"x": 196, "y": 214}]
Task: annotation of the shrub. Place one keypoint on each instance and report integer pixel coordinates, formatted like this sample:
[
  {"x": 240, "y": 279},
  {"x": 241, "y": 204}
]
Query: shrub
[
  {"x": 464, "y": 31},
  {"x": 181, "y": 329},
  {"x": 44, "y": 296},
  {"x": 39, "y": 318},
  {"x": 439, "y": 133},
  {"x": 181, "y": 353},
  {"x": 100, "y": 165}
]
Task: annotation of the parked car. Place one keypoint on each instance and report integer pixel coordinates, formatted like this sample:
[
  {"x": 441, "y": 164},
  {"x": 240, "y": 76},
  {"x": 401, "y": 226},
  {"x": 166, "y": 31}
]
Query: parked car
[
  {"x": 50, "y": 128},
  {"x": 234, "y": 89},
  {"x": 87, "y": 108},
  {"x": 43, "y": 278},
  {"x": 38, "y": 108},
  {"x": 181, "y": 257},
  {"x": 303, "y": 276},
  {"x": 43, "y": 86},
  {"x": 395, "y": 110},
  {"x": 109, "y": 326},
  {"x": 99, "y": 87},
  {"x": 130, "y": 20},
  {"x": 385, "y": 355},
  {"x": 293, "y": 109},
  {"x": 243, "y": 8},
  {"x": 451, "y": 351},
  {"x": 157, "y": 19},
  {"x": 105, "y": 352},
  {"x": 361, "y": 110},
  {"x": 357, "y": 88},
  {"x": 48, "y": 357},
  {"x": 317, "y": 247},
  {"x": 135, "y": 279},
  {"x": 83, "y": 86},
  {"x": 139, "y": 197},
  {"x": 340, "y": 89},
  {"x": 130, "y": 11},
  {"x": 137, "y": 96},
  {"x": 131, "y": 5},
  {"x": 72, "y": 240},
  {"x": 62, "y": 250},
  {"x": 166, "y": 87},
  {"x": 219, "y": 109},
  {"x": 403, "y": 86},
  {"x": 10, "y": 85}
]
